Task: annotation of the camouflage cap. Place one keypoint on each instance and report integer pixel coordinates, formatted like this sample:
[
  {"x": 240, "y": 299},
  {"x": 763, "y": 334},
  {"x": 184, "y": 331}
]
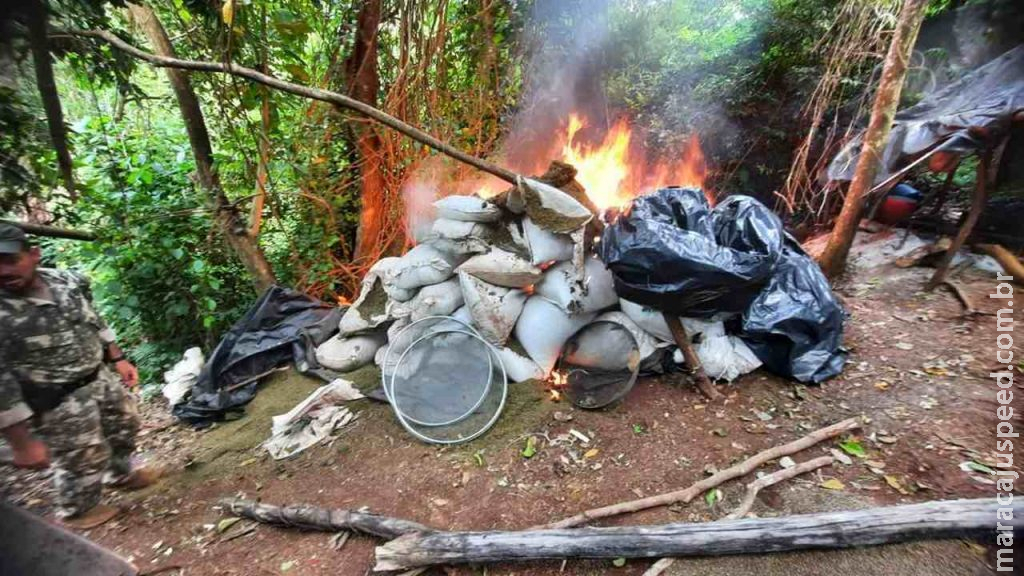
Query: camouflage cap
[{"x": 12, "y": 238}]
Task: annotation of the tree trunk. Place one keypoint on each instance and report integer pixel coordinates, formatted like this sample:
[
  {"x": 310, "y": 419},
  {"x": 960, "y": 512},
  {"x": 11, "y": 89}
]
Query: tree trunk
[
  {"x": 363, "y": 84},
  {"x": 830, "y": 530},
  {"x": 833, "y": 258},
  {"x": 232, "y": 225},
  {"x": 36, "y": 16}
]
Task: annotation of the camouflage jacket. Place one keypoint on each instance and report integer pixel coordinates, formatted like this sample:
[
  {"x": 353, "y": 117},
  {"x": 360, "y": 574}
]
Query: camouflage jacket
[{"x": 47, "y": 344}]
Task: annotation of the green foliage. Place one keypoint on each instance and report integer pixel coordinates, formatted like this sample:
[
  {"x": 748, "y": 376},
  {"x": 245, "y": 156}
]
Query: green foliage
[{"x": 161, "y": 275}]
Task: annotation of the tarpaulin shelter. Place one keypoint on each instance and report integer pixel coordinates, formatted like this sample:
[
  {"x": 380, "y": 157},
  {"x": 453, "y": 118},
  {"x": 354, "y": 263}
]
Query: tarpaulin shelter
[{"x": 965, "y": 116}]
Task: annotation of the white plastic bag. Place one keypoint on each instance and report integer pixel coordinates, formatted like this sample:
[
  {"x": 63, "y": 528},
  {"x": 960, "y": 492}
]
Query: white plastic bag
[
  {"x": 494, "y": 309},
  {"x": 313, "y": 420},
  {"x": 422, "y": 266},
  {"x": 723, "y": 357},
  {"x": 562, "y": 286},
  {"x": 183, "y": 376},
  {"x": 347, "y": 354},
  {"x": 502, "y": 268},
  {"x": 545, "y": 246},
  {"x": 467, "y": 208},
  {"x": 543, "y": 329}
]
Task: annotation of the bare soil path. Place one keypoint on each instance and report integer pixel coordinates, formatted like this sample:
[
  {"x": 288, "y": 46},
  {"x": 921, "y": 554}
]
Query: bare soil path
[{"x": 918, "y": 372}]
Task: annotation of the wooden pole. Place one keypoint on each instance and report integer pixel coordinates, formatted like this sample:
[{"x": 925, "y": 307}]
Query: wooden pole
[
  {"x": 830, "y": 530},
  {"x": 51, "y": 231},
  {"x": 305, "y": 91},
  {"x": 692, "y": 360},
  {"x": 1010, "y": 263},
  {"x": 978, "y": 200},
  {"x": 833, "y": 258},
  {"x": 322, "y": 519},
  {"x": 687, "y": 494}
]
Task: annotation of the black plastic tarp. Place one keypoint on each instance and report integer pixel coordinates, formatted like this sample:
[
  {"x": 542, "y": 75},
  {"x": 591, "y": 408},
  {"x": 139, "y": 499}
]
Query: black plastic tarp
[
  {"x": 795, "y": 325},
  {"x": 983, "y": 101},
  {"x": 282, "y": 327},
  {"x": 672, "y": 252}
]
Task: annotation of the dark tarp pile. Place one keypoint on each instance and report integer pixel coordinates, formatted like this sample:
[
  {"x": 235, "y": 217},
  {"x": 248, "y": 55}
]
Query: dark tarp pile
[
  {"x": 672, "y": 252},
  {"x": 283, "y": 326},
  {"x": 983, "y": 102}
]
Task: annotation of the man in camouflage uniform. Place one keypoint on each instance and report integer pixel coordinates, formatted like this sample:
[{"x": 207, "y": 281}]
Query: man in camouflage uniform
[{"x": 56, "y": 381}]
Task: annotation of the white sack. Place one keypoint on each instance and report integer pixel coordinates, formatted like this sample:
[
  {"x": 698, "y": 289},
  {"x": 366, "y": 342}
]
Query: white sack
[
  {"x": 543, "y": 328},
  {"x": 494, "y": 309},
  {"x": 559, "y": 211},
  {"x": 467, "y": 208},
  {"x": 562, "y": 286},
  {"x": 651, "y": 320},
  {"x": 183, "y": 376},
  {"x": 370, "y": 308},
  {"x": 519, "y": 368},
  {"x": 422, "y": 266},
  {"x": 502, "y": 268},
  {"x": 347, "y": 354},
  {"x": 434, "y": 300},
  {"x": 545, "y": 246}
]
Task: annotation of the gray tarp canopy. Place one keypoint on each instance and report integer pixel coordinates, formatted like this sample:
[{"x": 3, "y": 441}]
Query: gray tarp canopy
[{"x": 984, "y": 101}]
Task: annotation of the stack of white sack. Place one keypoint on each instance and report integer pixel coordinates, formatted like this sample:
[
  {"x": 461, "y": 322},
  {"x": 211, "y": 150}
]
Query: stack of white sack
[{"x": 516, "y": 270}]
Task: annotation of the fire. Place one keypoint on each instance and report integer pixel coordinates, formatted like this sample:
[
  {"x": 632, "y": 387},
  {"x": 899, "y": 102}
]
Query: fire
[
  {"x": 617, "y": 170},
  {"x": 614, "y": 167}
]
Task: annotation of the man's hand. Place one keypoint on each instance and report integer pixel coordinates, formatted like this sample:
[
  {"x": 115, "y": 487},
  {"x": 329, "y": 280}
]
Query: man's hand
[
  {"x": 129, "y": 375},
  {"x": 31, "y": 454}
]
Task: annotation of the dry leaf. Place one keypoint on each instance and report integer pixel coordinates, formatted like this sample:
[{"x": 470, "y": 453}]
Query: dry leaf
[
  {"x": 833, "y": 484},
  {"x": 591, "y": 453},
  {"x": 895, "y": 484}
]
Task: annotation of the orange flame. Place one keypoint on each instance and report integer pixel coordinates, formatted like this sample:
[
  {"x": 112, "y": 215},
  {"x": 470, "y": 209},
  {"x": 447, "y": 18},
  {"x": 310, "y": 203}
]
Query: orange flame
[
  {"x": 618, "y": 170},
  {"x": 615, "y": 168}
]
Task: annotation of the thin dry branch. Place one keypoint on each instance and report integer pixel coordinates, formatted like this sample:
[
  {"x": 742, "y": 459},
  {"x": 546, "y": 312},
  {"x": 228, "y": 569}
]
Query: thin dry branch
[
  {"x": 300, "y": 90},
  {"x": 772, "y": 479},
  {"x": 688, "y": 494}
]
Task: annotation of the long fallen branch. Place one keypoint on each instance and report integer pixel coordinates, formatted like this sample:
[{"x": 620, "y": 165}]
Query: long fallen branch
[
  {"x": 322, "y": 519},
  {"x": 871, "y": 527},
  {"x": 753, "y": 489},
  {"x": 300, "y": 90},
  {"x": 687, "y": 494}
]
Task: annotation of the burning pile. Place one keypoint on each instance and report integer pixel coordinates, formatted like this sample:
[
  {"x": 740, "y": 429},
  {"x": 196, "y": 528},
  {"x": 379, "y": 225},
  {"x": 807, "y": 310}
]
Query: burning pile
[
  {"x": 518, "y": 267},
  {"x": 519, "y": 271}
]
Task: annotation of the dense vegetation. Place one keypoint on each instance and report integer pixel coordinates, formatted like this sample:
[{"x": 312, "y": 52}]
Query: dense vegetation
[{"x": 305, "y": 177}]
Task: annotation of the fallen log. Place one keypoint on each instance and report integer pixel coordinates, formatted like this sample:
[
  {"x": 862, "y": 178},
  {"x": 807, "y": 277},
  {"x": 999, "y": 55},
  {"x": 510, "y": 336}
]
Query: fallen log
[
  {"x": 753, "y": 489},
  {"x": 51, "y": 231},
  {"x": 871, "y": 527},
  {"x": 687, "y": 494},
  {"x": 322, "y": 519}
]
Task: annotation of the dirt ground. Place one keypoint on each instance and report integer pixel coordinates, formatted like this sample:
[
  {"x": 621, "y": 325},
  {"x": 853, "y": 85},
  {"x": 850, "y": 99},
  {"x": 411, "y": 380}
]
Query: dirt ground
[{"x": 917, "y": 372}]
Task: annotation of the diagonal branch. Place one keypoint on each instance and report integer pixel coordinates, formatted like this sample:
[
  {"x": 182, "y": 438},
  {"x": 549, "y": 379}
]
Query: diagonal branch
[{"x": 300, "y": 90}]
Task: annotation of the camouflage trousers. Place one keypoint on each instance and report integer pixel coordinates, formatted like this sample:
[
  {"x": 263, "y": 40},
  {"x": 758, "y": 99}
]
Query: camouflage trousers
[{"x": 92, "y": 433}]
